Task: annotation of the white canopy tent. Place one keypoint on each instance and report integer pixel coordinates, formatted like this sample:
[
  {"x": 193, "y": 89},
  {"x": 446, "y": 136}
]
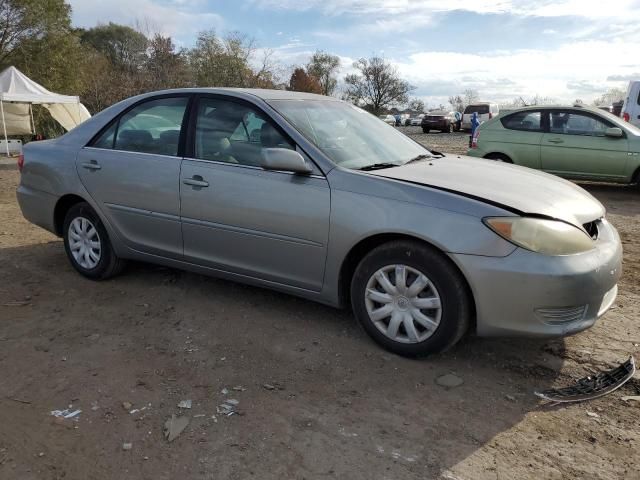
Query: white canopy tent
[{"x": 18, "y": 93}]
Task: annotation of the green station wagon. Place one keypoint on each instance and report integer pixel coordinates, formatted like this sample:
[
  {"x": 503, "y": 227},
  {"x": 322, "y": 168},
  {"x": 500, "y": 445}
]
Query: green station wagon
[{"x": 576, "y": 142}]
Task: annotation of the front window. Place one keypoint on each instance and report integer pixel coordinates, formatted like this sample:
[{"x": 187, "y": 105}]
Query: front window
[
  {"x": 349, "y": 136},
  {"x": 577, "y": 123}
]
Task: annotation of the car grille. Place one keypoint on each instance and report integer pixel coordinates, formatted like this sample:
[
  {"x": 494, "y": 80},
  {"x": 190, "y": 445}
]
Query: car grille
[
  {"x": 559, "y": 316},
  {"x": 592, "y": 229}
]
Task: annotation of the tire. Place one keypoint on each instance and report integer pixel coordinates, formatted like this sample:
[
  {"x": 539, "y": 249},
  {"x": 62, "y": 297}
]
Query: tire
[
  {"x": 450, "y": 315},
  {"x": 425, "y": 130},
  {"x": 83, "y": 226},
  {"x": 499, "y": 157}
]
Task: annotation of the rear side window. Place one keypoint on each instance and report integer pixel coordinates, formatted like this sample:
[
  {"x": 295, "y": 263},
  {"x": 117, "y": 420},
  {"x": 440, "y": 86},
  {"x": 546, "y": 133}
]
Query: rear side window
[
  {"x": 638, "y": 97},
  {"x": 151, "y": 127},
  {"x": 524, "y": 121},
  {"x": 479, "y": 109}
]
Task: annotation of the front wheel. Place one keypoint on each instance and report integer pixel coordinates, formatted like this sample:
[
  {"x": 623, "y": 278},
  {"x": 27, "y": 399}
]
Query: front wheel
[
  {"x": 451, "y": 128},
  {"x": 410, "y": 299},
  {"x": 87, "y": 244}
]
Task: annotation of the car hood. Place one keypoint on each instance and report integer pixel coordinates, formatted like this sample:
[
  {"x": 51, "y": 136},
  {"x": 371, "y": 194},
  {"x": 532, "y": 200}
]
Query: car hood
[{"x": 519, "y": 189}]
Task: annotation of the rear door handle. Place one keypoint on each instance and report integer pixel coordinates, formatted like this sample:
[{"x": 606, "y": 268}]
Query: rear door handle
[
  {"x": 196, "y": 181},
  {"x": 555, "y": 140},
  {"x": 92, "y": 165}
]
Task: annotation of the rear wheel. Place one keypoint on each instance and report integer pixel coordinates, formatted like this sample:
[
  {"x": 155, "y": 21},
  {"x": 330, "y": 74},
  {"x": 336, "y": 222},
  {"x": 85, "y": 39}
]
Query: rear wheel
[
  {"x": 425, "y": 130},
  {"x": 87, "y": 244},
  {"x": 499, "y": 157},
  {"x": 410, "y": 299}
]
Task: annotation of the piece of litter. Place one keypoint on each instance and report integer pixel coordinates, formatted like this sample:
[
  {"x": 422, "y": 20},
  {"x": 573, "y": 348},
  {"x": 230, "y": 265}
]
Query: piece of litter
[
  {"x": 127, "y": 446},
  {"x": 269, "y": 387},
  {"x": 65, "y": 413},
  {"x": 184, "y": 404},
  {"x": 16, "y": 303},
  {"x": 449, "y": 380},
  {"x": 631, "y": 397},
  {"x": 200, "y": 415},
  {"x": 232, "y": 401},
  {"x": 592, "y": 386},
  {"x": 95, "y": 406},
  {"x": 239, "y": 388},
  {"x": 511, "y": 398},
  {"x": 174, "y": 426},
  {"x": 224, "y": 391},
  {"x": 127, "y": 405},
  {"x": 41, "y": 454},
  {"x": 593, "y": 414}
]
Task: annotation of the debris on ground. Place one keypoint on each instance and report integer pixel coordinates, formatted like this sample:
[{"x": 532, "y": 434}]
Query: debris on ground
[
  {"x": 238, "y": 388},
  {"x": 627, "y": 398},
  {"x": 184, "y": 404},
  {"x": 449, "y": 380},
  {"x": 228, "y": 408},
  {"x": 127, "y": 446},
  {"x": 593, "y": 414},
  {"x": 224, "y": 391},
  {"x": 511, "y": 398},
  {"x": 268, "y": 386},
  {"x": 17, "y": 303},
  {"x": 592, "y": 386},
  {"x": 174, "y": 426},
  {"x": 67, "y": 413},
  {"x": 127, "y": 405}
]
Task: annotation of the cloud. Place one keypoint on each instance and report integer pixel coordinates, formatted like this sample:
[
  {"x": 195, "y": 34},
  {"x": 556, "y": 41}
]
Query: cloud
[
  {"x": 177, "y": 18},
  {"x": 624, "y": 78},
  {"x": 575, "y": 70}
]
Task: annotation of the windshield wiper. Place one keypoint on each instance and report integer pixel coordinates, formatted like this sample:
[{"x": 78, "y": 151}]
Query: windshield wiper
[
  {"x": 417, "y": 158},
  {"x": 378, "y": 166}
]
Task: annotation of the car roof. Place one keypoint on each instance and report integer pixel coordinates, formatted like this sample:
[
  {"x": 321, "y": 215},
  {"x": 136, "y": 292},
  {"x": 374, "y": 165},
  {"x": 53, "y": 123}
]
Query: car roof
[
  {"x": 553, "y": 107},
  {"x": 263, "y": 93}
]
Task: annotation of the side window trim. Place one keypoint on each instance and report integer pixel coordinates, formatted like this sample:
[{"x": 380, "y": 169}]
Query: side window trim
[{"x": 116, "y": 121}]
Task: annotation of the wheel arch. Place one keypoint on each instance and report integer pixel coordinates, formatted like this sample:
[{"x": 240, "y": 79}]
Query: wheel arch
[
  {"x": 496, "y": 155},
  {"x": 364, "y": 246},
  {"x": 63, "y": 205},
  {"x": 635, "y": 178}
]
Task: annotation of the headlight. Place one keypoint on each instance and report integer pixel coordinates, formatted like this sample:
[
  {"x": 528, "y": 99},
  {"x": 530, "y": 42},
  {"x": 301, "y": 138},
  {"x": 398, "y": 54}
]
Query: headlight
[{"x": 549, "y": 237}]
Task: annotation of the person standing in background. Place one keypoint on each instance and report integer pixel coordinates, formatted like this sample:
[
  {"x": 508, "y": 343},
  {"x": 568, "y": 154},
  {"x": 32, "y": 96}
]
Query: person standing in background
[
  {"x": 475, "y": 123},
  {"x": 458, "y": 117}
]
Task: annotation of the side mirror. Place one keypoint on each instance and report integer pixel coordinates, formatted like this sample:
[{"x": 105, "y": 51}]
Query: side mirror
[
  {"x": 285, "y": 160},
  {"x": 614, "y": 132}
]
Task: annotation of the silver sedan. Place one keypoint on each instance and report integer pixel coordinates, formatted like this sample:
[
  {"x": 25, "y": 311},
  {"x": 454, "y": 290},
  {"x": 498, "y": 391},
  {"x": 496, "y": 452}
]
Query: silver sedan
[{"x": 314, "y": 197}]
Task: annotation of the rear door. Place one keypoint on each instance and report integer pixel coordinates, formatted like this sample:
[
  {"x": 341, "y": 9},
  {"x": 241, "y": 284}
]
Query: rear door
[
  {"x": 576, "y": 146},
  {"x": 132, "y": 171},
  {"x": 240, "y": 218}
]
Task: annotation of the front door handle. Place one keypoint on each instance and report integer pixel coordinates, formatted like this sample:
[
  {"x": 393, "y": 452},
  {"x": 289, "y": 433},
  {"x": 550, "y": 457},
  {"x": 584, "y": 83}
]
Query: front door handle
[
  {"x": 92, "y": 165},
  {"x": 555, "y": 140},
  {"x": 196, "y": 181}
]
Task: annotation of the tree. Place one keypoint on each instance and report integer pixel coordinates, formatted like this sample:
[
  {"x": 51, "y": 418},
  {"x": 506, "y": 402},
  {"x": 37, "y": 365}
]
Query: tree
[
  {"x": 535, "y": 100},
  {"x": 610, "y": 96},
  {"x": 125, "y": 47},
  {"x": 416, "y": 105},
  {"x": 457, "y": 103},
  {"x": 470, "y": 96},
  {"x": 324, "y": 66},
  {"x": 377, "y": 86},
  {"x": 301, "y": 81},
  {"x": 165, "y": 67},
  {"x": 22, "y": 20}
]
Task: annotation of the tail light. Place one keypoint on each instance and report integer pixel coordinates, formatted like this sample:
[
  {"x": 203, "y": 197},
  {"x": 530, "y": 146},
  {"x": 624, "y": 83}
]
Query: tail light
[
  {"x": 474, "y": 140},
  {"x": 20, "y": 162},
  {"x": 626, "y": 116}
]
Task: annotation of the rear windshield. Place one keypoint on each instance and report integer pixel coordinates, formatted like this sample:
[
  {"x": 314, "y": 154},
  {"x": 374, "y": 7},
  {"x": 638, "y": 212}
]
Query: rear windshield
[{"x": 479, "y": 109}]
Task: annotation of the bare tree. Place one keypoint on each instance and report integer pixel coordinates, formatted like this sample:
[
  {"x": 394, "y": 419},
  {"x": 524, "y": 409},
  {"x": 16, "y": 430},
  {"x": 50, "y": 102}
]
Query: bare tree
[
  {"x": 324, "y": 67},
  {"x": 377, "y": 86},
  {"x": 416, "y": 105},
  {"x": 609, "y": 97}
]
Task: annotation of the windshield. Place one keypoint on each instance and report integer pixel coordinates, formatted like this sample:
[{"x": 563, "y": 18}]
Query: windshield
[
  {"x": 348, "y": 135},
  {"x": 479, "y": 109}
]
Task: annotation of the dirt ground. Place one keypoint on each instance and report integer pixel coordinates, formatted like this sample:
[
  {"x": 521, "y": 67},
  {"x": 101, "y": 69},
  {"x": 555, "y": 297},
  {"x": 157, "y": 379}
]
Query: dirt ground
[{"x": 316, "y": 398}]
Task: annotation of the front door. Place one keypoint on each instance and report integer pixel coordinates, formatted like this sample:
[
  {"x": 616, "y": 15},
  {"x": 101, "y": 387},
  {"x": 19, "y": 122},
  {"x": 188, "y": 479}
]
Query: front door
[
  {"x": 240, "y": 218},
  {"x": 576, "y": 146},
  {"x": 132, "y": 171}
]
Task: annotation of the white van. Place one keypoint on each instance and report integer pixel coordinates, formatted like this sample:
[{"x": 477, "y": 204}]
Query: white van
[
  {"x": 485, "y": 111},
  {"x": 631, "y": 107}
]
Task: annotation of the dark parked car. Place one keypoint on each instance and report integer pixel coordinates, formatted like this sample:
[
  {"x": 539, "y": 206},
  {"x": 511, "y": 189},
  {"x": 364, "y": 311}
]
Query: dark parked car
[{"x": 443, "y": 121}]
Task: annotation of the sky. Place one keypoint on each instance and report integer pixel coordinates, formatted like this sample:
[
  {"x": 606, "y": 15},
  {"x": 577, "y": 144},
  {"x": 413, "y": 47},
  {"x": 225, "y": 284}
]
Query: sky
[{"x": 504, "y": 49}]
